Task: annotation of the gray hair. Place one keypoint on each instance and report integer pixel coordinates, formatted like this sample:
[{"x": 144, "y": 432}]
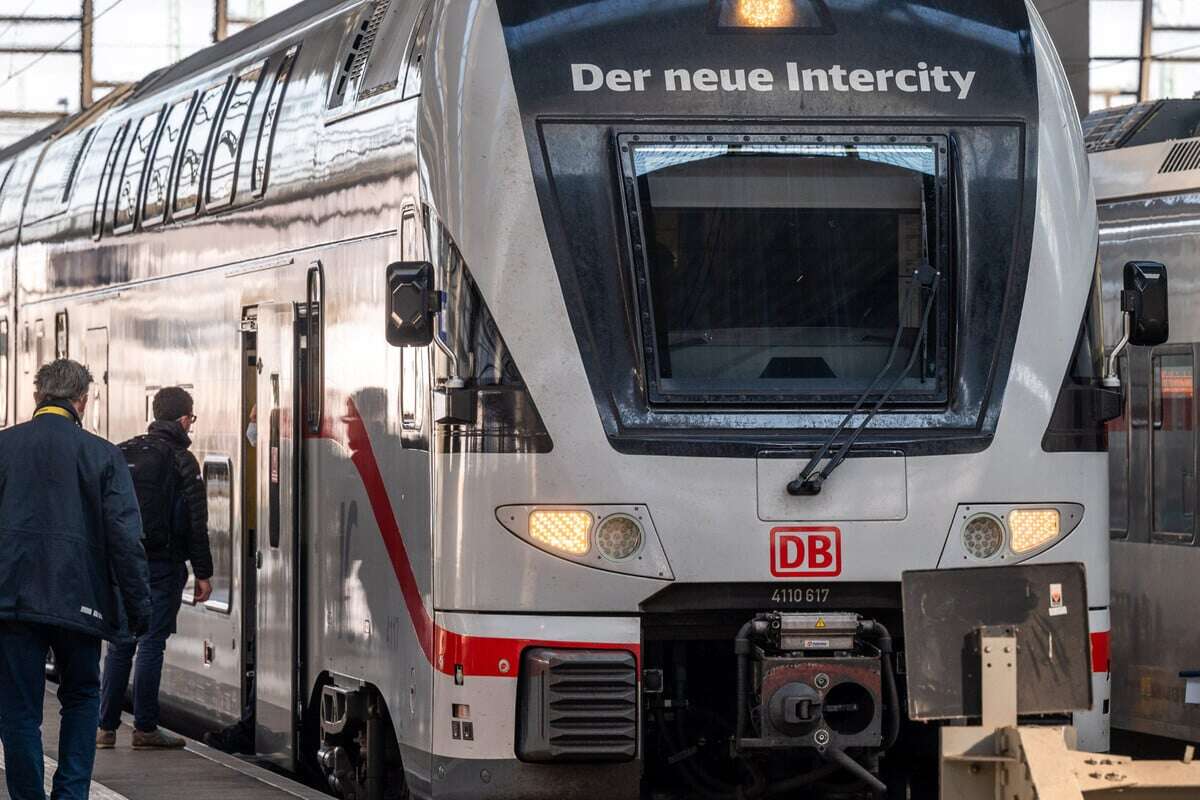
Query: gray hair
[{"x": 63, "y": 379}]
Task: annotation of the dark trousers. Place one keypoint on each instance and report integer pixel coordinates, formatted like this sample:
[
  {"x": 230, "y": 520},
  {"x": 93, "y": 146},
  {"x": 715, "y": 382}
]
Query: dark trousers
[
  {"x": 23, "y": 649},
  {"x": 145, "y": 656}
]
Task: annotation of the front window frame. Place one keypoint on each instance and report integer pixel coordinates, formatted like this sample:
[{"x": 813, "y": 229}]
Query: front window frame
[{"x": 938, "y": 237}]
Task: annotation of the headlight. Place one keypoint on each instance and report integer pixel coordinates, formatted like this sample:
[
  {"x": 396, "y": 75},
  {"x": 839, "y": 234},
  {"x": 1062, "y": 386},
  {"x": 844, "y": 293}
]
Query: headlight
[
  {"x": 1031, "y": 528},
  {"x": 618, "y": 537},
  {"x": 566, "y": 531},
  {"x": 983, "y": 536}
]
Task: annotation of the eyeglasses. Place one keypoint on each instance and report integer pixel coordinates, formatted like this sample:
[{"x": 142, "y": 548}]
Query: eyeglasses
[{"x": 192, "y": 418}]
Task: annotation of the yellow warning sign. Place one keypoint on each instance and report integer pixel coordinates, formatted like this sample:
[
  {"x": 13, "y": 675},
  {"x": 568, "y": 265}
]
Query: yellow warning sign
[{"x": 820, "y": 622}]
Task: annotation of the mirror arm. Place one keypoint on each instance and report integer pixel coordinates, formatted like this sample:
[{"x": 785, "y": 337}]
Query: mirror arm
[
  {"x": 1111, "y": 380},
  {"x": 454, "y": 380}
]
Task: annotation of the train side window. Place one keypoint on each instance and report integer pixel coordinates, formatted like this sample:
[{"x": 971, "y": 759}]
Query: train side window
[
  {"x": 129, "y": 189},
  {"x": 314, "y": 349},
  {"x": 12, "y": 199},
  {"x": 39, "y": 341},
  {"x": 4, "y": 372},
  {"x": 106, "y": 179},
  {"x": 158, "y": 180},
  {"x": 227, "y": 145},
  {"x": 1173, "y": 448},
  {"x": 51, "y": 186},
  {"x": 218, "y": 483},
  {"x": 190, "y": 167},
  {"x": 61, "y": 334},
  {"x": 1118, "y": 461},
  {"x": 266, "y": 130}
]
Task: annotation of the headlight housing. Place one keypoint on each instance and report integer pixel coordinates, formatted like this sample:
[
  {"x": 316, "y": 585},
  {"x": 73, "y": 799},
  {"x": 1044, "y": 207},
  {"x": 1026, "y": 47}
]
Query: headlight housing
[
  {"x": 998, "y": 532},
  {"x": 610, "y": 537}
]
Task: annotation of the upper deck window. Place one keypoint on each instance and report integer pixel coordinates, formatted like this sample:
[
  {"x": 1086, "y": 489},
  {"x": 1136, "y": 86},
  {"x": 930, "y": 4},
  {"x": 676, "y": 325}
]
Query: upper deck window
[
  {"x": 266, "y": 130},
  {"x": 775, "y": 272},
  {"x": 227, "y": 144},
  {"x": 158, "y": 180},
  {"x": 129, "y": 189},
  {"x": 191, "y": 158}
]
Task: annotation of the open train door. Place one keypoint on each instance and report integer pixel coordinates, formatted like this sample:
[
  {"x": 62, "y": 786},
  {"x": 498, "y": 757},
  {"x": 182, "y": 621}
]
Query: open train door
[{"x": 276, "y": 546}]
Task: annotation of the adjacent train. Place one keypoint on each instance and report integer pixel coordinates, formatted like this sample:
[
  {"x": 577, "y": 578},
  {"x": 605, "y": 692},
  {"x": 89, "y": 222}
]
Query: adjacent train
[
  {"x": 1146, "y": 167},
  {"x": 610, "y": 362}
]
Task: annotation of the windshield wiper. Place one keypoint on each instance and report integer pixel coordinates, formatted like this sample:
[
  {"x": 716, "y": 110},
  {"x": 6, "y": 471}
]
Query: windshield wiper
[{"x": 809, "y": 484}]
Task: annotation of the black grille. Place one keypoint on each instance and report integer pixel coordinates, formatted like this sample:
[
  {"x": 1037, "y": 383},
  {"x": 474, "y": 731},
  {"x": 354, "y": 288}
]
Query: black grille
[
  {"x": 1184, "y": 157},
  {"x": 577, "y": 705}
]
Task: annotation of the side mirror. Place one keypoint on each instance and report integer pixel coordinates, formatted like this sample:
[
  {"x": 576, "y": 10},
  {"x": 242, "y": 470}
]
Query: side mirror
[
  {"x": 412, "y": 303},
  {"x": 1144, "y": 308},
  {"x": 1145, "y": 301}
]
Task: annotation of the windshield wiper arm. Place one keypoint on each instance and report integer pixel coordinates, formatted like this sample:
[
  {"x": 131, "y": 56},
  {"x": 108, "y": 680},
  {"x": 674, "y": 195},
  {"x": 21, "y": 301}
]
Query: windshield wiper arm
[{"x": 807, "y": 483}]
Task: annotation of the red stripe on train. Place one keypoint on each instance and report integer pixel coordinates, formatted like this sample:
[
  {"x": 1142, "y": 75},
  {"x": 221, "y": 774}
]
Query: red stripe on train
[
  {"x": 1100, "y": 651},
  {"x": 478, "y": 655}
]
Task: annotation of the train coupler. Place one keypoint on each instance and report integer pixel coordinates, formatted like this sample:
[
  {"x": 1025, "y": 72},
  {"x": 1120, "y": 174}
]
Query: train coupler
[{"x": 820, "y": 682}]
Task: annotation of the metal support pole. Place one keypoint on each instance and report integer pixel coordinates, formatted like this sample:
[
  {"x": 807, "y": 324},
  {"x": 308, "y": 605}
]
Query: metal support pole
[
  {"x": 1145, "y": 54},
  {"x": 86, "y": 79},
  {"x": 220, "y": 20}
]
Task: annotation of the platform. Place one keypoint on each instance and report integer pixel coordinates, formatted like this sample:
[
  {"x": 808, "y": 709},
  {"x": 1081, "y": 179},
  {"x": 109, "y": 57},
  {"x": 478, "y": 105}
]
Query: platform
[{"x": 127, "y": 774}]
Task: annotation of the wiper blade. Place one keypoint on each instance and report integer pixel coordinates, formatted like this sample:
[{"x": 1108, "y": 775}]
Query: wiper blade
[{"x": 807, "y": 483}]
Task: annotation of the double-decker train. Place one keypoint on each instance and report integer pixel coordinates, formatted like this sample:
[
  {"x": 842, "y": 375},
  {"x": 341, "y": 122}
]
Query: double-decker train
[
  {"x": 611, "y": 361},
  {"x": 1146, "y": 167}
]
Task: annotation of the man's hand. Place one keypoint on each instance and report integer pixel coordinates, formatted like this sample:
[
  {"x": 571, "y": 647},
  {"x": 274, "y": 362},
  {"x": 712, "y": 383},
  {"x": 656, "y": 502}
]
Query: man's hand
[{"x": 203, "y": 590}]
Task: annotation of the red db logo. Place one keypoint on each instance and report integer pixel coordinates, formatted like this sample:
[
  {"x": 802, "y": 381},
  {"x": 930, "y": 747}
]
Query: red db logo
[{"x": 806, "y": 552}]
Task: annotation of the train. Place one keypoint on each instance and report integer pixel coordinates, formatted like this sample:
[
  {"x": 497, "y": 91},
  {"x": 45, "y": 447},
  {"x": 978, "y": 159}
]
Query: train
[
  {"x": 610, "y": 363},
  {"x": 1145, "y": 162}
]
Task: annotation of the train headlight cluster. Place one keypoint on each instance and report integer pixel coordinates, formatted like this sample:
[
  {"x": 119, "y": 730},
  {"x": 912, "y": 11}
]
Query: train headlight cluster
[
  {"x": 613, "y": 537},
  {"x": 1031, "y": 528},
  {"x": 991, "y": 531},
  {"x": 566, "y": 531}
]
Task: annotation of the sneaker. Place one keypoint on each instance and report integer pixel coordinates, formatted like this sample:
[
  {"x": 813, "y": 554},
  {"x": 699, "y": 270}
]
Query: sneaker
[
  {"x": 156, "y": 739},
  {"x": 106, "y": 740}
]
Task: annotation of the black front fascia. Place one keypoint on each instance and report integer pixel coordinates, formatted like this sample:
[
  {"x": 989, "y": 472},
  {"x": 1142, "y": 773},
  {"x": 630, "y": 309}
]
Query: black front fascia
[{"x": 572, "y": 141}]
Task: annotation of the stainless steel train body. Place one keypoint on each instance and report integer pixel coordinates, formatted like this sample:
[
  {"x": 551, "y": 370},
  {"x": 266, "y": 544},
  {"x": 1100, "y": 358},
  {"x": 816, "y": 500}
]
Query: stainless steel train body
[
  {"x": 514, "y": 559},
  {"x": 1147, "y": 180}
]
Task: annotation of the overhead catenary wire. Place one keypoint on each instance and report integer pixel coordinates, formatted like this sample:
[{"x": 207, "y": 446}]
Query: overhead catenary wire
[
  {"x": 1113, "y": 62},
  {"x": 55, "y": 48},
  {"x": 19, "y": 17}
]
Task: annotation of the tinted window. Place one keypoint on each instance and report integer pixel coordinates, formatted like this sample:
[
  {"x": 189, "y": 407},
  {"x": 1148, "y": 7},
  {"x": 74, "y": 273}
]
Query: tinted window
[
  {"x": 1173, "y": 447},
  {"x": 158, "y": 180},
  {"x": 129, "y": 189},
  {"x": 191, "y": 159},
  {"x": 776, "y": 270},
  {"x": 1118, "y": 462},
  {"x": 218, "y": 481},
  {"x": 266, "y": 131},
  {"x": 12, "y": 199},
  {"x": 228, "y": 142},
  {"x": 4, "y": 371},
  {"x": 106, "y": 179}
]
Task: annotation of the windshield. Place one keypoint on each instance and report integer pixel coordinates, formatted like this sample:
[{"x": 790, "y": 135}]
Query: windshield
[{"x": 776, "y": 270}]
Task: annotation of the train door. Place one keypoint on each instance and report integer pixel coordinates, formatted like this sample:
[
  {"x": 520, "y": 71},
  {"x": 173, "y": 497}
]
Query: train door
[
  {"x": 95, "y": 358},
  {"x": 276, "y": 540}
]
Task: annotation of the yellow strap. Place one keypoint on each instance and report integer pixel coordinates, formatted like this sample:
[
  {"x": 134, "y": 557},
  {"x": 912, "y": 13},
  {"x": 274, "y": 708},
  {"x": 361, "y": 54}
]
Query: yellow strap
[{"x": 62, "y": 412}]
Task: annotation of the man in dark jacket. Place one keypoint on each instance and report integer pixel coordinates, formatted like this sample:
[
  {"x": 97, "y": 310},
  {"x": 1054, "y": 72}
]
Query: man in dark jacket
[
  {"x": 72, "y": 572},
  {"x": 174, "y": 507}
]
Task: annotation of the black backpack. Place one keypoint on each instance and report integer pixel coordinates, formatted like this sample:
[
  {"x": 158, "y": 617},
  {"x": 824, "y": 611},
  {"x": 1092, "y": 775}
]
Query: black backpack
[{"x": 152, "y": 464}]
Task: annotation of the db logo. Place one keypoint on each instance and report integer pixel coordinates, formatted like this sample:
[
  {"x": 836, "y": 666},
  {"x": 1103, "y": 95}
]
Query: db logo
[{"x": 806, "y": 552}]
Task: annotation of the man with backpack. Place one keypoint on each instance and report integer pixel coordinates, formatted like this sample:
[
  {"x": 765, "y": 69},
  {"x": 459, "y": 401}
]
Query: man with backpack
[{"x": 174, "y": 506}]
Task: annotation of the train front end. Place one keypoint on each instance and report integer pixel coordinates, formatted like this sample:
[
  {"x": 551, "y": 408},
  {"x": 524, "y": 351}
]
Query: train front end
[{"x": 748, "y": 307}]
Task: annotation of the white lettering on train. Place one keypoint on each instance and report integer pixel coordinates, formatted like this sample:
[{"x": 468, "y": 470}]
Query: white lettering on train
[{"x": 836, "y": 78}]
